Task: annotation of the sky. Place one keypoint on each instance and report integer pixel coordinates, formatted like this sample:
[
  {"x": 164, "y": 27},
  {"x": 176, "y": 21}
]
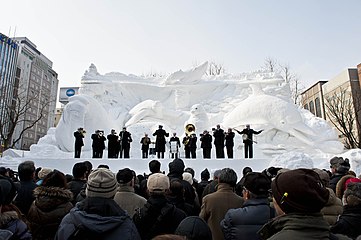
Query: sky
[{"x": 316, "y": 39}]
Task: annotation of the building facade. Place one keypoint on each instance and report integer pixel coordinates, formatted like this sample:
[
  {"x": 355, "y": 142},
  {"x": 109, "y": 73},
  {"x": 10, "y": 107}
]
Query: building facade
[
  {"x": 339, "y": 97},
  {"x": 38, "y": 87},
  {"x": 9, "y": 80}
]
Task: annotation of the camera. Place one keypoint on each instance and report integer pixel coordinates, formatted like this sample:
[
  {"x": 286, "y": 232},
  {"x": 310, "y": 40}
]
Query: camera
[{"x": 213, "y": 129}]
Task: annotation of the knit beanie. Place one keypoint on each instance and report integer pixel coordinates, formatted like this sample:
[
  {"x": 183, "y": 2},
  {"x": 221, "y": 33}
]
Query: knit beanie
[
  {"x": 257, "y": 183},
  {"x": 205, "y": 175},
  {"x": 101, "y": 183},
  {"x": 353, "y": 194},
  {"x": 43, "y": 172},
  {"x": 194, "y": 228},
  {"x": 188, "y": 177},
  {"x": 158, "y": 182},
  {"x": 300, "y": 190}
]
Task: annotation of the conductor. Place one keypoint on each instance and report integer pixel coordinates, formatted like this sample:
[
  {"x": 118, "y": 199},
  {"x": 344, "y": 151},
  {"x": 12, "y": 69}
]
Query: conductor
[
  {"x": 160, "y": 141},
  {"x": 247, "y": 135}
]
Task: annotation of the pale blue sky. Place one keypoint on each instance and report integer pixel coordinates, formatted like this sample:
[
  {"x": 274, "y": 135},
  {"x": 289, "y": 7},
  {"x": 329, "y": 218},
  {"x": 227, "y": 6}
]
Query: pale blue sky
[{"x": 317, "y": 38}]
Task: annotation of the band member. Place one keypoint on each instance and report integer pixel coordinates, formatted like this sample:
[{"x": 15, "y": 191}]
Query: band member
[
  {"x": 160, "y": 141},
  {"x": 206, "y": 144},
  {"x": 145, "y": 141},
  {"x": 218, "y": 135},
  {"x": 113, "y": 144},
  {"x": 186, "y": 143},
  {"x": 247, "y": 135},
  {"x": 98, "y": 143},
  {"x": 193, "y": 145},
  {"x": 229, "y": 135},
  {"x": 176, "y": 144},
  {"x": 79, "y": 135},
  {"x": 125, "y": 138}
]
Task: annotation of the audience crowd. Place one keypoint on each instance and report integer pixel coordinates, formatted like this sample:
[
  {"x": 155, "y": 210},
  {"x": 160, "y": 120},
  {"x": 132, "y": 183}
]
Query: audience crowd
[{"x": 96, "y": 203}]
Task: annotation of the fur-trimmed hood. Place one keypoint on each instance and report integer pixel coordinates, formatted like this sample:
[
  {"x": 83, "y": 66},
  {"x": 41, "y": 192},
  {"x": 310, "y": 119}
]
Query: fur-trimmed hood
[
  {"x": 6, "y": 217},
  {"x": 50, "y": 197},
  {"x": 340, "y": 187}
]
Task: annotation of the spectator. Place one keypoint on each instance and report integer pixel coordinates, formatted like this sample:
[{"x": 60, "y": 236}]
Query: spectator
[
  {"x": 11, "y": 225},
  {"x": 52, "y": 203},
  {"x": 157, "y": 216},
  {"x": 298, "y": 197},
  {"x": 26, "y": 186},
  {"x": 42, "y": 174},
  {"x": 202, "y": 184},
  {"x": 176, "y": 196},
  {"x": 333, "y": 207},
  {"x": 350, "y": 220},
  {"x": 239, "y": 186},
  {"x": 194, "y": 228},
  {"x": 215, "y": 205},
  {"x": 154, "y": 167},
  {"x": 211, "y": 187},
  {"x": 79, "y": 179},
  {"x": 342, "y": 184},
  {"x": 339, "y": 168},
  {"x": 244, "y": 222},
  {"x": 126, "y": 198},
  {"x": 98, "y": 215}
]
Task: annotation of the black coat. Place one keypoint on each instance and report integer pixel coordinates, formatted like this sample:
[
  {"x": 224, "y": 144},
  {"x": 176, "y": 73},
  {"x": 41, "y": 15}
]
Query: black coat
[
  {"x": 78, "y": 139},
  {"x": 157, "y": 217},
  {"x": 112, "y": 141},
  {"x": 230, "y": 139},
  {"x": 218, "y": 135},
  {"x": 160, "y": 140},
  {"x": 98, "y": 142},
  {"x": 349, "y": 222},
  {"x": 145, "y": 143},
  {"x": 249, "y": 133},
  {"x": 25, "y": 196},
  {"x": 125, "y": 138},
  {"x": 206, "y": 141}
]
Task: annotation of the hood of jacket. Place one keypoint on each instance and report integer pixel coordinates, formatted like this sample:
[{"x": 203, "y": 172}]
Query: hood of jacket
[{"x": 48, "y": 198}]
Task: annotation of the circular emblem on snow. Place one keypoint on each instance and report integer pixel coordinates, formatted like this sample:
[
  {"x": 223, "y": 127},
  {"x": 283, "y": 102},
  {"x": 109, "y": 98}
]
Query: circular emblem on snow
[{"x": 70, "y": 92}]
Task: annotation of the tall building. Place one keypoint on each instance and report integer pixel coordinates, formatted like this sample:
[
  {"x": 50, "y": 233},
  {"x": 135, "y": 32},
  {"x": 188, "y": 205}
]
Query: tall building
[
  {"x": 343, "y": 94},
  {"x": 37, "y": 93},
  {"x": 9, "y": 80}
]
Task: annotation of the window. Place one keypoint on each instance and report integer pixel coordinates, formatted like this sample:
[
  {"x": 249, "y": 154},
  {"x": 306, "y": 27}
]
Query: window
[
  {"x": 305, "y": 106},
  {"x": 318, "y": 107},
  {"x": 312, "y": 107}
]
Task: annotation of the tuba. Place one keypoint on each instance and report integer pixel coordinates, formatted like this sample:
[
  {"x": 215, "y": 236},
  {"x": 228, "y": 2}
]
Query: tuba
[{"x": 190, "y": 129}]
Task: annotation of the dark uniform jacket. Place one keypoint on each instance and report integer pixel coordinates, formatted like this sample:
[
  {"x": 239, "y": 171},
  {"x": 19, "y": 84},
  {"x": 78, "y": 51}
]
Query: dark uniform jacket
[
  {"x": 160, "y": 140},
  {"x": 206, "y": 141}
]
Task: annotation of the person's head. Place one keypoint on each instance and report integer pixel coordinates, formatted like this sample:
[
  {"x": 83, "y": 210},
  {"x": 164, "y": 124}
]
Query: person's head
[
  {"x": 101, "y": 183},
  {"x": 158, "y": 184},
  {"x": 246, "y": 170},
  {"x": 174, "y": 134},
  {"x": 256, "y": 185},
  {"x": 26, "y": 171},
  {"x": 124, "y": 129},
  {"x": 125, "y": 177},
  {"x": 43, "y": 172},
  {"x": 80, "y": 170},
  {"x": 229, "y": 130},
  {"x": 194, "y": 228},
  {"x": 248, "y": 126},
  {"x": 154, "y": 166},
  {"x": 176, "y": 188},
  {"x": 160, "y": 126},
  {"x": 228, "y": 176},
  {"x": 112, "y": 131},
  {"x": 205, "y": 175},
  {"x": 218, "y": 126},
  {"x": 55, "y": 179},
  {"x": 89, "y": 167},
  {"x": 343, "y": 183},
  {"x": 352, "y": 195},
  {"x": 216, "y": 174},
  {"x": 299, "y": 191},
  {"x": 272, "y": 172},
  {"x": 339, "y": 165},
  {"x": 188, "y": 177},
  {"x": 80, "y": 129},
  {"x": 176, "y": 166},
  {"x": 145, "y": 134},
  {"x": 7, "y": 191},
  {"x": 325, "y": 178},
  {"x": 190, "y": 170}
]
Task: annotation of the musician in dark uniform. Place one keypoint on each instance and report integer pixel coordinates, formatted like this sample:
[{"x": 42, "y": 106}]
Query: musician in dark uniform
[
  {"x": 160, "y": 141},
  {"x": 229, "y": 135},
  {"x": 186, "y": 142},
  {"x": 218, "y": 135},
  {"x": 113, "y": 143},
  {"x": 125, "y": 139},
  {"x": 174, "y": 138},
  {"x": 193, "y": 145},
  {"x": 79, "y": 135},
  {"x": 247, "y": 135},
  {"x": 206, "y": 144},
  {"x": 98, "y": 143},
  {"x": 145, "y": 141}
]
